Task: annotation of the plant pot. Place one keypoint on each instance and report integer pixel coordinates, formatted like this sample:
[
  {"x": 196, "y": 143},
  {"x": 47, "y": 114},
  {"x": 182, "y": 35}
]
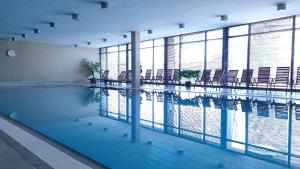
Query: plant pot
[
  {"x": 93, "y": 80},
  {"x": 188, "y": 84}
]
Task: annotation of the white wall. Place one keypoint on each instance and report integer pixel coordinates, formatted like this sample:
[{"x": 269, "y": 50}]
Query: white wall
[{"x": 41, "y": 62}]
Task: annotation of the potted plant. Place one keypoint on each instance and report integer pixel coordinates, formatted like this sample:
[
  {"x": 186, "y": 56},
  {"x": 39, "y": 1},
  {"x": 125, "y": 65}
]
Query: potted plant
[
  {"x": 92, "y": 68},
  {"x": 188, "y": 74}
]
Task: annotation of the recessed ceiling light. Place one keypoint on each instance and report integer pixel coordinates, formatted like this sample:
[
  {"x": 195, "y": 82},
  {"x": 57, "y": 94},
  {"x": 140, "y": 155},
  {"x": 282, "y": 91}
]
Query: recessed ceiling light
[
  {"x": 224, "y": 17},
  {"x": 36, "y": 30},
  {"x": 89, "y": 43},
  {"x": 75, "y": 16},
  {"x": 24, "y": 35},
  {"x": 75, "y": 45},
  {"x": 124, "y": 36},
  {"x": 150, "y": 31},
  {"x": 13, "y": 39},
  {"x": 181, "y": 25},
  {"x": 103, "y": 4},
  {"x": 52, "y": 24},
  {"x": 104, "y": 40},
  {"x": 281, "y": 6}
]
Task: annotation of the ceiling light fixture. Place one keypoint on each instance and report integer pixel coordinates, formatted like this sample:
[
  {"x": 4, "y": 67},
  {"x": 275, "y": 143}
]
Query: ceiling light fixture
[
  {"x": 103, "y": 4},
  {"x": 150, "y": 31},
  {"x": 52, "y": 24},
  {"x": 104, "y": 40},
  {"x": 24, "y": 35},
  {"x": 124, "y": 36},
  {"x": 75, "y": 16},
  {"x": 89, "y": 43},
  {"x": 13, "y": 39},
  {"x": 36, "y": 30},
  {"x": 281, "y": 6},
  {"x": 75, "y": 45},
  {"x": 224, "y": 17},
  {"x": 181, "y": 25}
]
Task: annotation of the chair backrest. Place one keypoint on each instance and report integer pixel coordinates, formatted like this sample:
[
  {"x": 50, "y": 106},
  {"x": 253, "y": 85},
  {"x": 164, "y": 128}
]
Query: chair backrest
[
  {"x": 281, "y": 111},
  {"x": 263, "y": 74},
  {"x": 244, "y": 75},
  {"x": 148, "y": 74},
  {"x": 176, "y": 74},
  {"x": 218, "y": 75},
  {"x": 169, "y": 73},
  {"x": 298, "y": 76},
  {"x": 122, "y": 75},
  {"x": 232, "y": 75},
  {"x": 128, "y": 76},
  {"x": 105, "y": 75},
  {"x": 159, "y": 74},
  {"x": 282, "y": 75},
  {"x": 205, "y": 75}
]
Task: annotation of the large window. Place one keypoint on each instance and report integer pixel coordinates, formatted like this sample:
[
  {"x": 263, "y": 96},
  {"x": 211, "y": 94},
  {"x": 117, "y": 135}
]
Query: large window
[
  {"x": 238, "y": 48},
  {"x": 271, "y": 45},
  {"x": 214, "y": 50},
  {"x": 146, "y": 56},
  {"x": 159, "y": 52}
]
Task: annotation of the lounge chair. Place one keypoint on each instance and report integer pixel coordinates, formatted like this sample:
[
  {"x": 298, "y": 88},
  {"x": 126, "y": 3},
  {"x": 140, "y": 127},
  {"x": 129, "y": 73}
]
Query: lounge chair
[
  {"x": 230, "y": 78},
  {"x": 128, "y": 77},
  {"x": 282, "y": 78},
  {"x": 217, "y": 78},
  {"x": 281, "y": 110},
  {"x": 104, "y": 76},
  {"x": 245, "y": 75},
  {"x": 168, "y": 78},
  {"x": 246, "y": 106},
  {"x": 158, "y": 77},
  {"x": 120, "y": 79},
  {"x": 205, "y": 77},
  {"x": 176, "y": 77},
  {"x": 297, "y": 111},
  {"x": 263, "y": 77},
  {"x": 147, "y": 77},
  {"x": 262, "y": 108}
]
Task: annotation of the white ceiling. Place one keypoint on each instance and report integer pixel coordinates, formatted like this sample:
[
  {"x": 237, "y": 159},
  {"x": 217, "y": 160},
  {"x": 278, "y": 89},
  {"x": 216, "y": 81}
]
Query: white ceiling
[{"x": 123, "y": 16}]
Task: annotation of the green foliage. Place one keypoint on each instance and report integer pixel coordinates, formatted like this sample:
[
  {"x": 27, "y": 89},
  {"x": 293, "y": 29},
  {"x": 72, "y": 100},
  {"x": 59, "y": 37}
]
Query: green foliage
[
  {"x": 189, "y": 73},
  {"x": 92, "y": 67}
]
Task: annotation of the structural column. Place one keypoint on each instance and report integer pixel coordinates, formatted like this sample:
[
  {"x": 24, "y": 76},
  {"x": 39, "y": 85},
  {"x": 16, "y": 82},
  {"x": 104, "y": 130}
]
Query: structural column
[
  {"x": 225, "y": 50},
  {"x": 135, "y": 84}
]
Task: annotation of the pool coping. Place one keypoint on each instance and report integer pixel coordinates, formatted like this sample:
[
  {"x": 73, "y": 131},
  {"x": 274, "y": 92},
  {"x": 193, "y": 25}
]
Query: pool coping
[{"x": 33, "y": 159}]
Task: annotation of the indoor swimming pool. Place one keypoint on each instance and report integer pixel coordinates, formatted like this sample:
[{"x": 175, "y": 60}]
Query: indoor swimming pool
[{"x": 175, "y": 129}]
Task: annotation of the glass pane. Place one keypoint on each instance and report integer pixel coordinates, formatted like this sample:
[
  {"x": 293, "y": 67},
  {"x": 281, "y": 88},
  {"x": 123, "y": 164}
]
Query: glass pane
[
  {"x": 113, "y": 49},
  {"x": 271, "y": 50},
  {"x": 103, "y": 60},
  {"x": 122, "y": 61},
  {"x": 213, "y": 124},
  {"x": 214, "y": 55},
  {"x": 159, "y": 42},
  {"x": 103, "y": 50},
  {"x": 146, "y": 111},
  {"x": 272, "y": 25},
  {"x": 238, "y": 30},
  {"x": 297, "y": 52},
  {"x": 296, "y": 136},
  {"x": 146, "y": 59},
  {"x": 122, "y": 47},
  {"x": 173, "y": 57},
  {"x": 112, "y": 100},
  {"x": 215, "y": 34},
  {"x": 237, "y": 54},
  {"x": 173, "y": 40},
  {"x": 158, "y": 59},
  {"x": 147, "y": 44},
  {"x": 112, "y": 65},
  {"x": 192, "y": 56},
  {"x": 192, "y": 37},
  {"x": 298, "y": 22}
]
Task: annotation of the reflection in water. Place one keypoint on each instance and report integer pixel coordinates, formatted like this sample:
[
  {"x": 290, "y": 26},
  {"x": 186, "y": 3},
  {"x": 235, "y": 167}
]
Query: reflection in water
[{"x": 257, "y": 127}]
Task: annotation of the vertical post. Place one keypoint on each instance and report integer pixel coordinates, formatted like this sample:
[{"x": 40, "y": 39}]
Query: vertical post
[
  {"x": 135, "y": 59},
  {"x": 205, "y": 58},
  {"x": 166, "y": 110},
  {"x": 224, "y": 124},
  {"x": 290, "y": 132},
  {"x": 225, "y": 50},
  {"x": 247, "y": 127},
  {"x": 180, "y": 45},
  {"x": 293, "y": 55},
  {"x": 153, "y": 61},
  {"x": 166, "y": 57},
  {"x": 135, "y": 84},
  {"x": 248, "y": 56}
]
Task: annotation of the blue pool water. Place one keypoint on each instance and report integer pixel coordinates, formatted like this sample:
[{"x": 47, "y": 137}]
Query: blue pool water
[{"x": 173, "y": 130}]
